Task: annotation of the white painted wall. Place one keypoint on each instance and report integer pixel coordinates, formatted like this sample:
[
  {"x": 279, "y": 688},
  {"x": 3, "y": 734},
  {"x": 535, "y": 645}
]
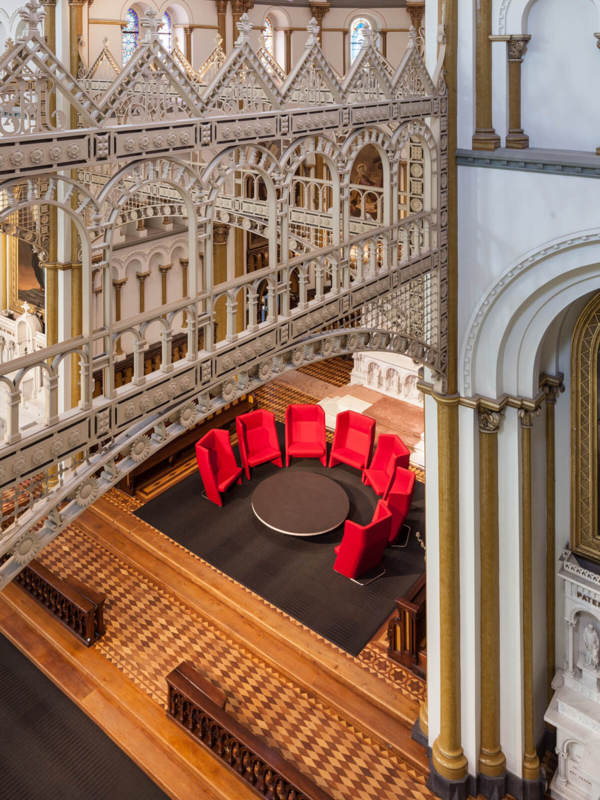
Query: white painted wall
[{"x": 559, "y": 108}]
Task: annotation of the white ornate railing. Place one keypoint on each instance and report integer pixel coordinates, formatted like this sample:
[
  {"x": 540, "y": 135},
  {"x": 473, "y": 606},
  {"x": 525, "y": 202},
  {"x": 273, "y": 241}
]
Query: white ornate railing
[{"x": 379, "y": 285}]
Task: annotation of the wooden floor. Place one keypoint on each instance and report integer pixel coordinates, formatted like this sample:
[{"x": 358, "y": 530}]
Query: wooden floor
[{"x": 343, "y": 720}]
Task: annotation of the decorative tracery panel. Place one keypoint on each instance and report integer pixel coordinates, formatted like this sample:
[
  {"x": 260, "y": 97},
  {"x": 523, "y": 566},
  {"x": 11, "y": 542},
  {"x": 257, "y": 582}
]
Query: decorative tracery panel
[{"x": 585, "y": 354}]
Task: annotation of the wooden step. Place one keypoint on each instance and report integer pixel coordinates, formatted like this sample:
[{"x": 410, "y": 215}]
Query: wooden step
[
  {"x": 183, "y": 769},
  {"x": 365, "y": 700}
]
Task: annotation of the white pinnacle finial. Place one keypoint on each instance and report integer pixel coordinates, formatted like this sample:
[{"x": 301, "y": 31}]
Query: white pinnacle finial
[
  {"x": 150, "y": 24},
  {"x": 105, "y": 42},
  {"x": 244, "y": 26},
  {"x": 219, "y": 40},
  {"x": 366, "y": 35},
  {"x": 33, "y": 16},
  {"x": 313, "y": 29}
]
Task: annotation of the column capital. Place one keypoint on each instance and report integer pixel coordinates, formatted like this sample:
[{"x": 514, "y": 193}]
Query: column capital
[
  {"x": 597, "y": 35},
  {"x": 552, "y": 386},
  {"x": 489, "y": 419},
  {"x": 117, "y": 283},
  {"x": 526, "y": 416},
  {"x": 220, "y": 231},
  {"x": 141, "y": 276},
  {"x": 164, "y": 268},
  {"x": 516, "y": 46}
]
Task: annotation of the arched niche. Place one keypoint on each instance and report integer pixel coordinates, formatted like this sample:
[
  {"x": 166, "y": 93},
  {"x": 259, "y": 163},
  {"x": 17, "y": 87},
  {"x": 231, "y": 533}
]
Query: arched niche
[{"x": 585, "y": 357}]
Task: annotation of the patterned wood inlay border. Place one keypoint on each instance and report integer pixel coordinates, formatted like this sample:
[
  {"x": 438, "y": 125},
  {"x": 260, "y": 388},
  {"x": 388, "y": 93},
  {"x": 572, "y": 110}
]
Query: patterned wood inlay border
[{"x": 149, "y": 631}]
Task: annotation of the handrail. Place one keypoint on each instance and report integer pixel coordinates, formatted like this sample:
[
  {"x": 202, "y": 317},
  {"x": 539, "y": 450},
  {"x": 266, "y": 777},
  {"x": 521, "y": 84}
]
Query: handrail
[{"x": 198, "y": 707}]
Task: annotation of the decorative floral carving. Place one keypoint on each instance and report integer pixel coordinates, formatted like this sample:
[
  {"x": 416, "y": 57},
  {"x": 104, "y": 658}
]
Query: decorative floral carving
[
  {"x": 188, "y": 416},
  {"x": 26, "y": 548},
  {"x": 140, "y": 449},
  {"x": 87, "y": 492}
]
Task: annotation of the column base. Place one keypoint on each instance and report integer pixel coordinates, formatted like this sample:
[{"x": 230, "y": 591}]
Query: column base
[
  {"x": 485, "y": 139},
  {"x": 517, "y": 140},
  {"x": 446, "y": 789},
  {"x": 419, "y": 736},
  {"x": 494, "y": 788},
  {"x": 533, "y": 790}
]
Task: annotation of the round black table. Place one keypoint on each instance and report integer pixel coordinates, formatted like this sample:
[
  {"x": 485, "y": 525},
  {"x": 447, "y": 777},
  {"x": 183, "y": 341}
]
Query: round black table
[{"x": 300, "y": 503}]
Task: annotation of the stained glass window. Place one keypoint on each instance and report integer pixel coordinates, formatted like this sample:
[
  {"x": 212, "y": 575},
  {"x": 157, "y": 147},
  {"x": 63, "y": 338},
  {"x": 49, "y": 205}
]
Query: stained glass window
[
  {"x": 166, "y": 31},
  {"x": 357, "y": 28},
  {"x": 268, "y": 37},
  {"x": 129, "y": 35}
]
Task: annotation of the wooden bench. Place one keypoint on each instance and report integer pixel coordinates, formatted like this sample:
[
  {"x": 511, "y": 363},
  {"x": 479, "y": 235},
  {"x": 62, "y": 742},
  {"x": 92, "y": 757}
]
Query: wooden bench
[
  {"x": 77, "y": 606},
  {"x": 198, "y": 707}
]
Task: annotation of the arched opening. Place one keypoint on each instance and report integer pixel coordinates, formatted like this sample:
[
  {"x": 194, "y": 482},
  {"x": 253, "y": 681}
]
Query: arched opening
[
  {"x": 366, "y": 199},
  {"x": 129, "y": 34}
]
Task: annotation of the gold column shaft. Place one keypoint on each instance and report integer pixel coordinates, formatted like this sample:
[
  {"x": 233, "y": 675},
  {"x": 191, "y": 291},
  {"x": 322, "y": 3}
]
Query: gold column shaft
[
  {"x": 531, "y": 764},
  {"x": 164, "y": 271},
  {"x": 187, "y": 32},
  {"x": 288, "y": 50},
  {"x": 220, "y": 235},
  {"x": 515, "y": 49},
  {"x": 75, "y": 326},
  {"x": 550, "y": 546},
  {"x": 222, "y": 22},
  {"x": 485, "y": 137},
  {"x": 448, "y": 757},
  {"x": 141, "y": 276},
  {"x": 3, "y": 272},
  {"x": 118, "y": 287},
  {"x": 491, "y": 758}
]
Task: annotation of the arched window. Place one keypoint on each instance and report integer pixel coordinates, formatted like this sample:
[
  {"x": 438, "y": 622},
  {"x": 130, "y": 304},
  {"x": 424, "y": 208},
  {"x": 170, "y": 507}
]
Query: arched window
[
  {"x": 268, "y": 37},
  {"x": 129, "y": 35},
  {"x": 357, "y": 28},
  {"x": 165, "y": 32}
]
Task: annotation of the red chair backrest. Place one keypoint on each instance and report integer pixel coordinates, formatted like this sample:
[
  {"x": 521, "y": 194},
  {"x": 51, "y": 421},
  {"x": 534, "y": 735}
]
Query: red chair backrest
[
  {"x": 219, "y": 453},
  {"x": 304, "y": 420},
  {"x": 355, "y": 430},
  {"x": 362, "y": 547},
  {"x": 255, "y": 425}
]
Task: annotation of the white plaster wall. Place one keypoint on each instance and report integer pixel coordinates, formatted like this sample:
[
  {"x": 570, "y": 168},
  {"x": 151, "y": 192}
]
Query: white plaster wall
[
  {"x": 203, "y": 12},
  {"x": 505, "y": 215},
  {"x": 465, "y": 74},
  {"x": 511, "y": 640},
  {"x": 559, "y": 107}
]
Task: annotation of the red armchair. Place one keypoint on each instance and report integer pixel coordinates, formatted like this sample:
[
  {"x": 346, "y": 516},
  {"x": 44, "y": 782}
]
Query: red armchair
[
  {"x": 353, "y": 440},
  {"x": 257, "y": 439},
  {"x": 217, "y": 464},
  {"x": 398, "y": 500},
  {"x": 391, "y": 452},
  {"x": 305, "y": 433},
  {"x": 362, "y": 547}
]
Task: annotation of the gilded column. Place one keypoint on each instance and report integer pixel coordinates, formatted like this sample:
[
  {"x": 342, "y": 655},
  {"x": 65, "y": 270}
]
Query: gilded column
[
  {"x": 222, "y": 22},
  {"x": 184, "y": 262},
  {"x": 3, "y": 273},
  {"x": 318, "y": 9},
  {"x": 76, "y": 320},
  {"x": 187, "y": 33},
  {"x": 485, "y": 137},
  {"x": 141, "y": 276},
  {"x": 531, "y": 764},
  {"x": 515, "y": 50},
  {"x": 492, "y": 763},
  {"x": 164, "y": 271},
  {"x": 416, "y": 12},
  {"x": 118, "y": 284},
  {"x": 287, "y": 32},
  {"x": 448, "y": 759},
  {"x": 50, "y": 23},
  {"x": 552, "y": 386},
  {"x": 220, "y": 236}
]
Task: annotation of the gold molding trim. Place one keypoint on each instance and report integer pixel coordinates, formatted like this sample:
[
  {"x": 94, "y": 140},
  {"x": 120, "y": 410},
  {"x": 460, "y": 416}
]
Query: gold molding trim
[{"x": 585, "y": 538}]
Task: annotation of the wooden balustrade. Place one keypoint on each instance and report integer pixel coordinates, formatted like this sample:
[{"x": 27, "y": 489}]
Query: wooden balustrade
[
  {"x": 79, "y": 607},
  {"x": 198, "y": 707},
  {"x": 406, "y": 631}
]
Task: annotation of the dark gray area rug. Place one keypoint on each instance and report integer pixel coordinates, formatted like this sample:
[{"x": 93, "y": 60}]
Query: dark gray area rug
[
  {"x": 51, "y": 749},
  {"x": 295, "y": 574}
]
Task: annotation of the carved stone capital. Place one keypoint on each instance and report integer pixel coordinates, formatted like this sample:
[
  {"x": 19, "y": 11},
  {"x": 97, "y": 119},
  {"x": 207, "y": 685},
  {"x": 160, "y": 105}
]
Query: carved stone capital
[
  {"x": 526, "y": 416},
  {"x": 318, "y": 11},
  {"x": 552, "y": 386},
  {"x": 516, "y": 47},
  {"x": 489, "y": 419},
  {"x": 164, "y": 268},
  {"x": 118, "y": 284},
  {"x": 220, "y": 231},
  {"x": 597, "y": 35},
  {"x": 141, "y": 276}
]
